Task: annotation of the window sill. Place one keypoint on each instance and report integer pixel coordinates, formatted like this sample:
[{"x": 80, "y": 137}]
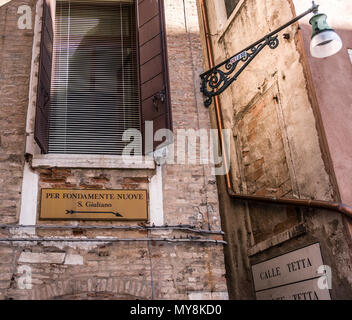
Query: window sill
[{"x": 91, "y": 162}]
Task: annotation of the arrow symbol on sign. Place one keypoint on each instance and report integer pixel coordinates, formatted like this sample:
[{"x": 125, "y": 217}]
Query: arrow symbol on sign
[{"x": 108, "y": 212}]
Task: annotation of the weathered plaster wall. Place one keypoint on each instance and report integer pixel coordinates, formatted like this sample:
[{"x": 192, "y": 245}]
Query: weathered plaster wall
[
  {"x": 277, "y": 148},
  {"x": 109, "y": 270},
  {"x": 332, "y": 78}
]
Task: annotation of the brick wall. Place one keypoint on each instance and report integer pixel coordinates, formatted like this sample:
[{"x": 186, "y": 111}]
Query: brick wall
[
  {"x": 80, "y": 269},
  {"x": 111, "y": 271},
  {"x": 15, "y": 64}
]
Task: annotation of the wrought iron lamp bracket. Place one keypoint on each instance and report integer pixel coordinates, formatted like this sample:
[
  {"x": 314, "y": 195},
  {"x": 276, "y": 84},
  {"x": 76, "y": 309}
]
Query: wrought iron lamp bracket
[{"x": 219, "y": 78}]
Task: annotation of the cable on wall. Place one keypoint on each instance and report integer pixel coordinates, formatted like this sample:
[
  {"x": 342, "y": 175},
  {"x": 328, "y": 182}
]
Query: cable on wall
[
  {"x": 174, "y": 240},
  {"x": 180, "y": 227}
]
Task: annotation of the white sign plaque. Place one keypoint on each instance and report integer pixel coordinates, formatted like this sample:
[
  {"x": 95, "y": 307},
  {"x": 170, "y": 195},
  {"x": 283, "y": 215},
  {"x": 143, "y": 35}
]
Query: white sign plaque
[
  {"x": 306, "y": 290},
  {"x": 291, "y": 276}
]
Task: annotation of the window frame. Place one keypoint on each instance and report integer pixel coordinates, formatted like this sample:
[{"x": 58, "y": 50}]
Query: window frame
[
  {"x": 44, "y": 159},
  {"x": 236, "y": 5},
  {"x": 81, "y": 90}
]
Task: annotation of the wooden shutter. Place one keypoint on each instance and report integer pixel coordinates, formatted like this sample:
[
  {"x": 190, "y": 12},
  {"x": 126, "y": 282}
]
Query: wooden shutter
[
  {"x": 41, "y": 133},
  {"x": 154, "y": 83}
]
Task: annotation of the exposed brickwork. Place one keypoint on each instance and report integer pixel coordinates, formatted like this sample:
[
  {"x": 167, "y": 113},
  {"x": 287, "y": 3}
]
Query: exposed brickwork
[
  {"x": 111, "y": 270},
  {"x": 264, "y": 163},
  {"x": 192, "y": 187},
  {"x": 106, "y": 273},
  {"x": 15, "y": 66},
  {"x": 94, "y": 179},
  {"x": 263, "y": 153}
]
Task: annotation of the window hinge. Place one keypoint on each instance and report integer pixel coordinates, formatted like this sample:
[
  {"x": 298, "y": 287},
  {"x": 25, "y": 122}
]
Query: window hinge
[{"x": 159, "y": 97}]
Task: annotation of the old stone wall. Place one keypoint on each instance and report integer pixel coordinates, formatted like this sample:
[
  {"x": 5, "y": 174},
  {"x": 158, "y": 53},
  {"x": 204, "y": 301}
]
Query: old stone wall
[
  {"x": 277, "y": 148},
  {"x": 15, "y": 66},
  {"x": 65, "y": 262},
  {"x": 110, "y": 271}
]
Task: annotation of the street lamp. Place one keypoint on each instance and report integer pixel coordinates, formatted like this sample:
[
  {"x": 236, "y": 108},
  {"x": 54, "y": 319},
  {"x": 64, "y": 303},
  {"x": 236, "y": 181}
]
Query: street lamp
[{"x": 325, "y": 42}]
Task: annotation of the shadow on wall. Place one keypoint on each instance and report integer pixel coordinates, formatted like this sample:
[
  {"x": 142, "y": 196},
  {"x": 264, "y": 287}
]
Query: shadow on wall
[{"x": 332, "y": 78}]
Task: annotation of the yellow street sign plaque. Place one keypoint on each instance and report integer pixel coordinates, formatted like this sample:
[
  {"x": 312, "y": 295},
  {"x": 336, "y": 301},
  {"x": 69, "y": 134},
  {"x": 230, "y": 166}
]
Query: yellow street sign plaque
[{"x": 60, "y": 204}]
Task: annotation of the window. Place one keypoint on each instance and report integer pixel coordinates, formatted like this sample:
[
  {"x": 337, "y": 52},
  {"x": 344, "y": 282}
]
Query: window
[
  {"x": 230, "y": 6},
  {"x": 100, "y": 74}
]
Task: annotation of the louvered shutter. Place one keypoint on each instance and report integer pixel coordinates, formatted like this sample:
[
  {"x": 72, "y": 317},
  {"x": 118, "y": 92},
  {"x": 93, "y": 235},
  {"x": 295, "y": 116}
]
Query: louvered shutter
[
  {"x": 155, "y": 97},
  {"x": 41, "y": 133}
]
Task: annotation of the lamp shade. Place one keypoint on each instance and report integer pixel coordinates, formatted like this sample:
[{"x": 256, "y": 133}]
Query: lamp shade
[{"x": 325, "y": 41}]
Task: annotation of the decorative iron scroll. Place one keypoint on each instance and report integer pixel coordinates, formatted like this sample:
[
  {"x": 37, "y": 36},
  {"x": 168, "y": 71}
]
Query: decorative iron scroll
[{"x": 216, "y": 80}]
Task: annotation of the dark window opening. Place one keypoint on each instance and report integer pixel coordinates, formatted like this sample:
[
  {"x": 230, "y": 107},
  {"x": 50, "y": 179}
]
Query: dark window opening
[{"x": 230, "y": 6}]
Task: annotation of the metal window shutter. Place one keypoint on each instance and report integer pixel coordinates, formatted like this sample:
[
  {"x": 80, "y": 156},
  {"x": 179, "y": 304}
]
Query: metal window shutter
[
  {"x": 95, "y": 91},
  {"x": 153, "y": 68}
]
